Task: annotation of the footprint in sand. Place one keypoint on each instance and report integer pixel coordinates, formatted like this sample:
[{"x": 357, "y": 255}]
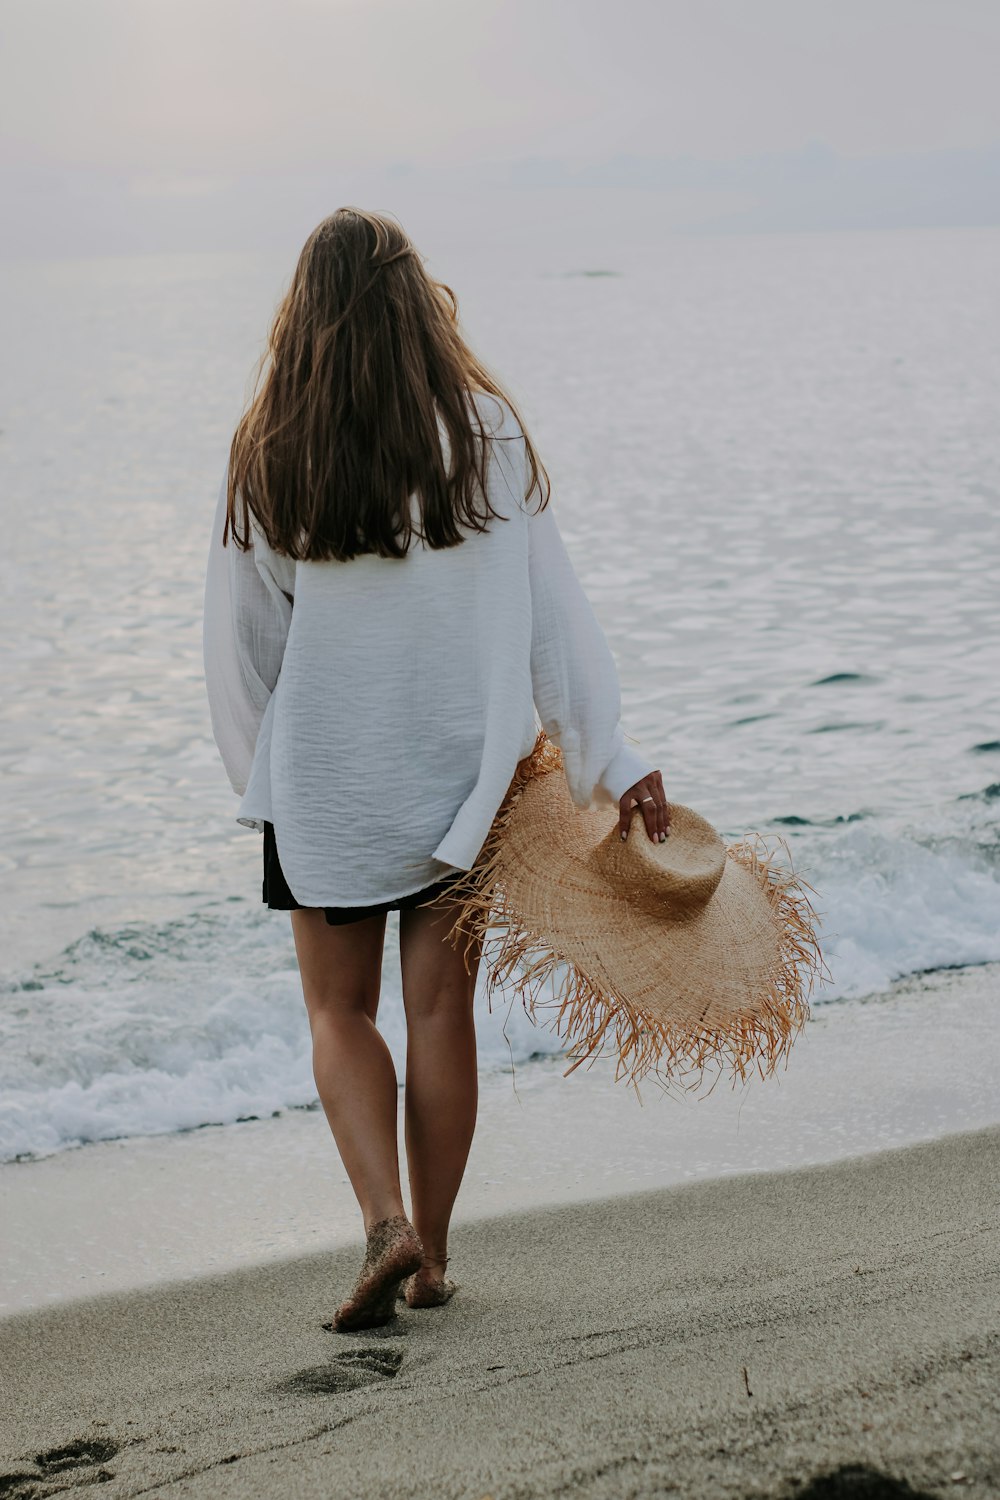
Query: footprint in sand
[
  {"x": 349, "y": 1371},
  {"x": 77, "y": 1455},
  {"x": 81, "y": 1453}
]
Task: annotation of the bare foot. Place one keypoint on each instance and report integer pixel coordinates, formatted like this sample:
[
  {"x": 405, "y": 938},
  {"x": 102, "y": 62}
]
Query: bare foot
[
  {"x": 393, "y": 1252},
  {"x": 429, "y": 1286}
]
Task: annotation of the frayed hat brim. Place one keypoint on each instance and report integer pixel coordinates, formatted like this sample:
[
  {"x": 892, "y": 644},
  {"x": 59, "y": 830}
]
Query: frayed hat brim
[{"x": 675, "y": 1000}]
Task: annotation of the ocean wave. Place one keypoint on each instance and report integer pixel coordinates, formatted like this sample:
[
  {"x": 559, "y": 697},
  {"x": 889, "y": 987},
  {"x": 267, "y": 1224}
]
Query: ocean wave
[
  {"x": 898, "y": 904},
  {"x": 154, "y": 1028}
]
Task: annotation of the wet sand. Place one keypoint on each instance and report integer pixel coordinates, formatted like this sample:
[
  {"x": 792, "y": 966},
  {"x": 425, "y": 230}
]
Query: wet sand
[{"x": 736, "y": 1337}]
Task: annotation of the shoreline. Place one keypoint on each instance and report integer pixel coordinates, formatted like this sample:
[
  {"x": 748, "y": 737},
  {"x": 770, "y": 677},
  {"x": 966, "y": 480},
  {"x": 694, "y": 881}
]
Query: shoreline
[
  {"x": 719, "y": 1339},
  {"x": 918, "y": 1064}
]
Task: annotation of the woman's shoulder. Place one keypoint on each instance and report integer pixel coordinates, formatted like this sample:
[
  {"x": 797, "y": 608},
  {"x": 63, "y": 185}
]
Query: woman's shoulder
[
  {"x": 497, "y": 416},
  {"x": 508, "y": 458}
]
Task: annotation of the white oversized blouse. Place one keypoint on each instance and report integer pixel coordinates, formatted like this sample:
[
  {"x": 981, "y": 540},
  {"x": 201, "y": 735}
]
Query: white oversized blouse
[{"x": 374, "y": 711}]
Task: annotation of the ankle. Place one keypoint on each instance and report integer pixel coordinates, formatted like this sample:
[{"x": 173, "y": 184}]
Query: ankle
[{"x": 381, "y": 1213}]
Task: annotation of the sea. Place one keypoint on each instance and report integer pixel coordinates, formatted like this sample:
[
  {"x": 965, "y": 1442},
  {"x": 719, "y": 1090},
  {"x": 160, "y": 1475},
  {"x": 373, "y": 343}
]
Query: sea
[{"x": 776, "y": 466}]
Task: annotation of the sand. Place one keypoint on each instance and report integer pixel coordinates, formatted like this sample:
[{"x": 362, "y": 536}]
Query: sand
[{"x": 736, "y": 1337}]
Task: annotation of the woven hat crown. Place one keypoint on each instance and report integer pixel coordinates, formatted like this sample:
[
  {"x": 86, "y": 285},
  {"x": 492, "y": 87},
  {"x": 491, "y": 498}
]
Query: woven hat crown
[{"x": 674, "y": 880}]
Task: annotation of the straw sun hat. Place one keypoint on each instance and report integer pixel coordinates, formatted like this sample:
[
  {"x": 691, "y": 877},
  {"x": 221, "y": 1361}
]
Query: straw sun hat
[{"x": 675, "y": 956}]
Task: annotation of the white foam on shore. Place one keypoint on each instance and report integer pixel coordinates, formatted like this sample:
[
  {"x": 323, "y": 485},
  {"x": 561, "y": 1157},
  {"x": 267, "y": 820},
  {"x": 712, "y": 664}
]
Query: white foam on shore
[
  {"x": 201, "y": 1021},
  {"x": 893, "y": 906},
  {"x": 149, "y": 1029}
]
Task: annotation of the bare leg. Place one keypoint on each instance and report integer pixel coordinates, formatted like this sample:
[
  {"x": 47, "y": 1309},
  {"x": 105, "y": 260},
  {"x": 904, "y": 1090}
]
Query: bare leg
[
  {"x": 341, "y": 971},
  {"x": 441, "y": 1084}
]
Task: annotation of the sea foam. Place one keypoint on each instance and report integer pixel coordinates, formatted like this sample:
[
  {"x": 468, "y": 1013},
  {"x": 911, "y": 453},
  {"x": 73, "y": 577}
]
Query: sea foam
[{"x": 152, "y": 1028}]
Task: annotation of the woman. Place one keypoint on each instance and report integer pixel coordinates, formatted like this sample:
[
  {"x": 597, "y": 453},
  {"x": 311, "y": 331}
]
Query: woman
[{"x": 384, "y": 613}]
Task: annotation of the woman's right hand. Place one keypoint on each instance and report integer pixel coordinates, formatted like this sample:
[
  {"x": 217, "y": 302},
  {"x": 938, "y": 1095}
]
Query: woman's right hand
[{"x": 652, "y": 800}]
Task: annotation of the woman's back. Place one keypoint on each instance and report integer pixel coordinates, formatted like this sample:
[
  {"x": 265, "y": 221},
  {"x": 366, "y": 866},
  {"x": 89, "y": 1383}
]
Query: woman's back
[
  {"x": 392, "y": 605},
  {"x": 401, "y": 708}
]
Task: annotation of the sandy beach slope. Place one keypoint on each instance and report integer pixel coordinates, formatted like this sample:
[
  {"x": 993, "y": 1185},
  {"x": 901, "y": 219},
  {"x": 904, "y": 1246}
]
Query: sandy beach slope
[{"x": 737, "y": 1337}]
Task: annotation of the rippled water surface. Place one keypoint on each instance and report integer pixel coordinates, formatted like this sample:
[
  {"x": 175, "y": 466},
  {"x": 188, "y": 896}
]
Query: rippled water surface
[{"x": 775, "y": 463}]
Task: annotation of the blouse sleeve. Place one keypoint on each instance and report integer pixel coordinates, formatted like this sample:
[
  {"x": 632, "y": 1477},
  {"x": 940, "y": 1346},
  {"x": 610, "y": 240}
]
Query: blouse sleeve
[
  {"x": 574, "y": 677},
  {"x": 245, "y": 625}
]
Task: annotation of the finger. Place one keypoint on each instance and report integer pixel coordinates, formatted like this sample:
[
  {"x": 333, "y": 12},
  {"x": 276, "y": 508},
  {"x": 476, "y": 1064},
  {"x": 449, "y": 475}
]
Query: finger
[
  {"x": 649, "y": 809},
  {"x": 663, "y": 806},
  {"x": 647, "y": 806},
  {"x": 628, "y": 805}
]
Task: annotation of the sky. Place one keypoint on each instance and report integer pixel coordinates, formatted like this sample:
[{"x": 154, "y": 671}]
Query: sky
[{"x": 166, "y": 124}]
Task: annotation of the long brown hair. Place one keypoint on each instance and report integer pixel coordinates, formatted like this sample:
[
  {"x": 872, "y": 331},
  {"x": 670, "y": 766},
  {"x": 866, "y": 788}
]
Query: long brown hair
[{"x": 366, "y": 357}]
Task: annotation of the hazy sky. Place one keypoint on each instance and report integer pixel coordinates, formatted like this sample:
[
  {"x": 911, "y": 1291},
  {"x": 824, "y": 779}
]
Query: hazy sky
[{"x": 153, "y": 112}]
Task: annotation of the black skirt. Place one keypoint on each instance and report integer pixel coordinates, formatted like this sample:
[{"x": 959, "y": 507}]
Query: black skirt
[{"x": 277, "y": 895}]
